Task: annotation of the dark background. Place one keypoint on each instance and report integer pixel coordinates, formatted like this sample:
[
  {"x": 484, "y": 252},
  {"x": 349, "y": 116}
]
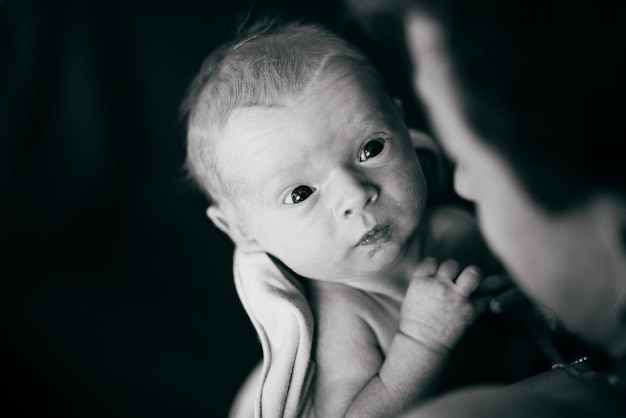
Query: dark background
[{"x": 117, "y": 295}]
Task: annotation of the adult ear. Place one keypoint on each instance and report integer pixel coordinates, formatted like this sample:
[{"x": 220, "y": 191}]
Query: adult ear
[{"x": 227, "y": 221}]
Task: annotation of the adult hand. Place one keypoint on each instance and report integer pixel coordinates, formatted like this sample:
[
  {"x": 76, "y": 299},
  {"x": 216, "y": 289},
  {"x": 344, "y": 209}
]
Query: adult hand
[{"x": 536, "y": 322}]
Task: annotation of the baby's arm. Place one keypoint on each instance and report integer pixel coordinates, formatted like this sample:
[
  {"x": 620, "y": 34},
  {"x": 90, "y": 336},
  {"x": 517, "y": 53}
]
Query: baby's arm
[
  {"x": 355, "y": 379},
  {"x": 435, "y": 313}
]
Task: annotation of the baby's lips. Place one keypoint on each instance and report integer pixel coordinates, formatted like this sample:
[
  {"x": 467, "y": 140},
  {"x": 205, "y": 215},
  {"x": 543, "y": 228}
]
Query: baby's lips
[{"x": 373, "y": 235}]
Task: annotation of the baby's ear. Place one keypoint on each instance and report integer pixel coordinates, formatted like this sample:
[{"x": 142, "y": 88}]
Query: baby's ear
[{"x": 228, "y": 222}]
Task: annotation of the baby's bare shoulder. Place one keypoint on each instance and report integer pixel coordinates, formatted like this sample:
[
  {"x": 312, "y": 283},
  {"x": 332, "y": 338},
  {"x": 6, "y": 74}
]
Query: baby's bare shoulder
[
  {"x": 345, "y": 315},
  {"x": 347, "y": 346},
  {"x": 337, "y": 302}
]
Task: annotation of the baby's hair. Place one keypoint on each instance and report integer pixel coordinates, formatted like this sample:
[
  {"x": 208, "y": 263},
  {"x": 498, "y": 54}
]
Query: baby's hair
[{"x": 267, "y": 64}]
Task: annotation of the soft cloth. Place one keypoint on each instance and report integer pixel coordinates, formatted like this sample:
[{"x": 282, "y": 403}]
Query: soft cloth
[{"x": 282, "y": 318}]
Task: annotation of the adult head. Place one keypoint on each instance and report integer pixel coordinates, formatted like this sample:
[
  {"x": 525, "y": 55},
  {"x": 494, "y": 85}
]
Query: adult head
[{"x": 527, "y": 98}]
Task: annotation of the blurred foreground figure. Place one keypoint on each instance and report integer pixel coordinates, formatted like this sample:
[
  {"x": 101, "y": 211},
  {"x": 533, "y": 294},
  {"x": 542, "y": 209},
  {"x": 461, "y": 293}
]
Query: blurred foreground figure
[{"x": 527, "y": 100}]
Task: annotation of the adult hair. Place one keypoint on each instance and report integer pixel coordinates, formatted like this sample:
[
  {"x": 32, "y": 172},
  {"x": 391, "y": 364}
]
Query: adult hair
[
  {"x": 543, "y": 83},
  {"x": 267, "y": 64}
]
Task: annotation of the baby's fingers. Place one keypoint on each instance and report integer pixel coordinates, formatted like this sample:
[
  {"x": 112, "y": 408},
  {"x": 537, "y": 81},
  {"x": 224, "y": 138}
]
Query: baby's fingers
[
  {"x": 468, "y": 280},
  {"x": 448, "y": 270}
]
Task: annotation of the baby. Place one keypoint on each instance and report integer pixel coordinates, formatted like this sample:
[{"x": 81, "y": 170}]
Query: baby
[{"x": 304, "y": 156}]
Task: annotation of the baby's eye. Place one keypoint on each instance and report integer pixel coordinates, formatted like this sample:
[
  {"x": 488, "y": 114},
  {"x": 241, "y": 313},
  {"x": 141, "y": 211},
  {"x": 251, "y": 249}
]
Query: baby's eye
[
  {"x": 299, "y": 194},
  {"x": 372, "y": 149}
]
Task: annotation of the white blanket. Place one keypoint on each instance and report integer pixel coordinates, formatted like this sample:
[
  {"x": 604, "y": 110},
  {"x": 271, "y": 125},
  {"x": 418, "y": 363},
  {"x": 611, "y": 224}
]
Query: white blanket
[{"x": 282, "y": 318}]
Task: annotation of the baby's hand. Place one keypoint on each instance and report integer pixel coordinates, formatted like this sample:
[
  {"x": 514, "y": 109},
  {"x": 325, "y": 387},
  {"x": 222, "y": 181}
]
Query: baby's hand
[{"x": 437, "y": 307}]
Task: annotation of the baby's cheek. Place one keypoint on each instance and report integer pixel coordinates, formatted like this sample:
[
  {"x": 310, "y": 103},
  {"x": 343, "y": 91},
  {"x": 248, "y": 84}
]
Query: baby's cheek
[
  {"x": 281, "y": 239},
  {"x": 414, "y": 188},
  {"x": 304, "y": 252}
]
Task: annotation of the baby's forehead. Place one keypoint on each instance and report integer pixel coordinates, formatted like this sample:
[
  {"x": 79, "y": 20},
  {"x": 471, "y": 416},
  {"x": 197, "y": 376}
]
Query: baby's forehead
[
  {"x": 341, "y": 102},
  {"x": 364, "y": 78}
]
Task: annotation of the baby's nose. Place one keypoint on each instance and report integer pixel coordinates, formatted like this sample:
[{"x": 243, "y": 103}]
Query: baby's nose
[{"x": 352, "y": 194}]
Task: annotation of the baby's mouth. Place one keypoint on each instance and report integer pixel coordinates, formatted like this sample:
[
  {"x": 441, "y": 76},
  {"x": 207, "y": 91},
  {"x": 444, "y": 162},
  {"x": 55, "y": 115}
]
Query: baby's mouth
[{"x": 374, "y": 235}]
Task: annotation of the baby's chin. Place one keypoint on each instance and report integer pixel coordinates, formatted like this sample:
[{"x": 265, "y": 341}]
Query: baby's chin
[{"x": 372, "y": 267}]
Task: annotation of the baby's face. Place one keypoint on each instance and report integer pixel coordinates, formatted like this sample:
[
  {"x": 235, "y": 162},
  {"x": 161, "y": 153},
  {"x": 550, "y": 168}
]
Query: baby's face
[{"x": 330, "y": 183}]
